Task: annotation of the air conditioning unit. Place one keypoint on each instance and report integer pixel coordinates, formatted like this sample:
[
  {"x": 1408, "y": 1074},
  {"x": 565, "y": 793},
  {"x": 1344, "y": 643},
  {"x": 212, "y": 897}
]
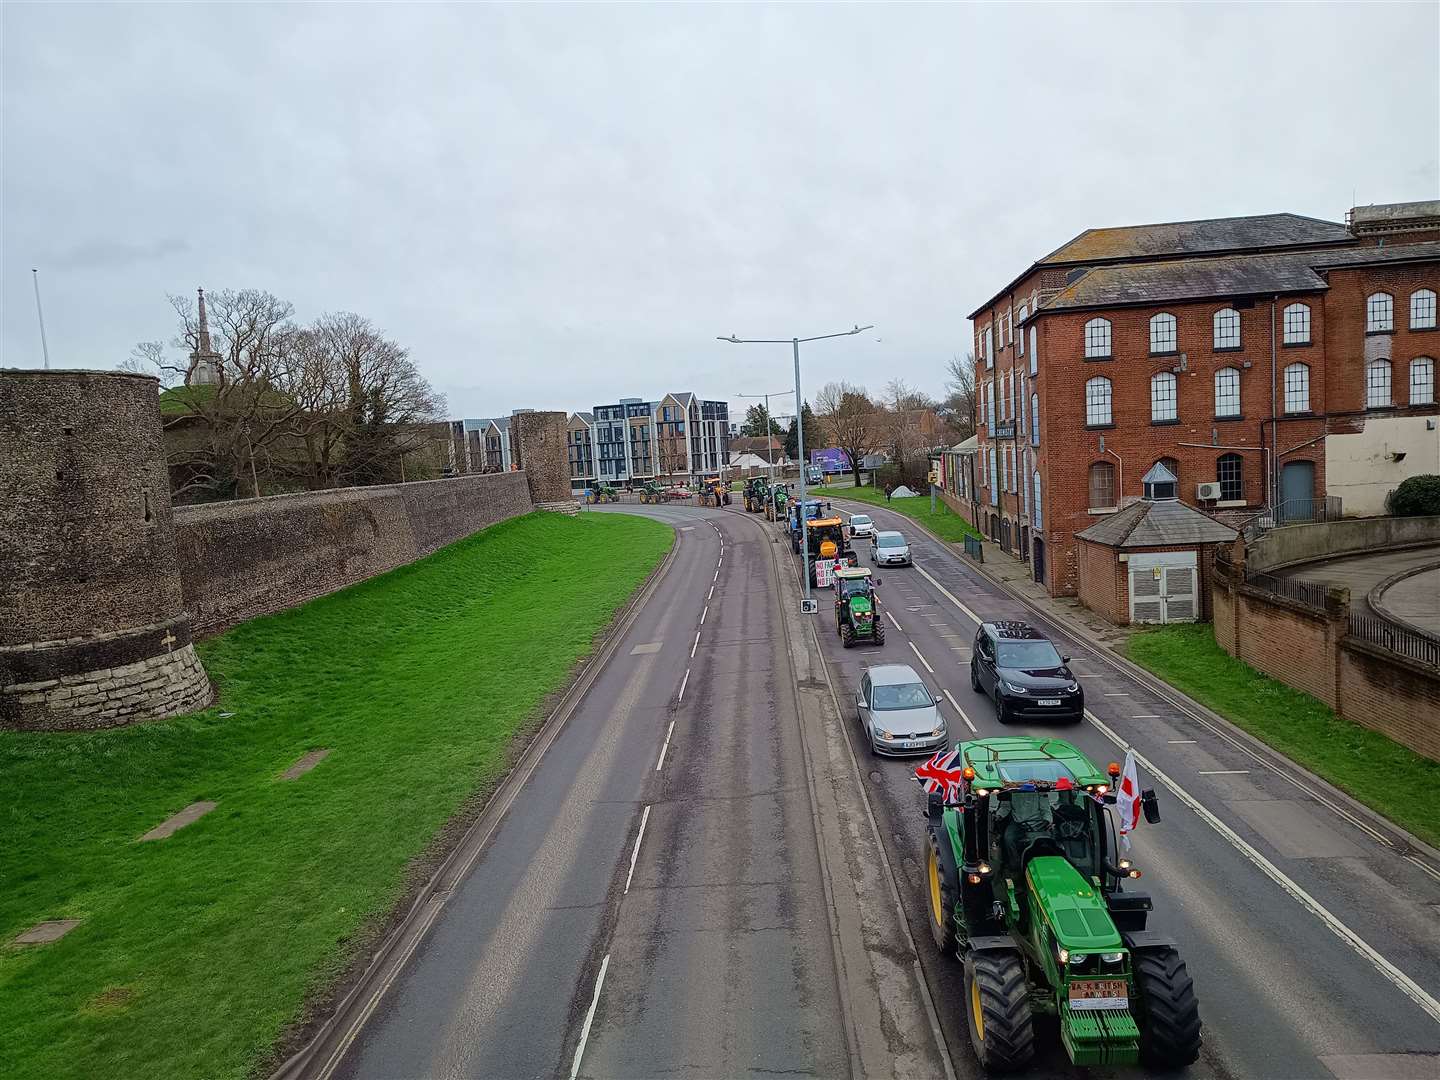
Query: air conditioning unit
[{"x": 1207, "y": 492}]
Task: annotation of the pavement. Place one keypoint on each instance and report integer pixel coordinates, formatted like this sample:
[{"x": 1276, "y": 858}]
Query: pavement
[
  {"x": 708, "y": 875},
  {"x": 1401, "y": 586}
]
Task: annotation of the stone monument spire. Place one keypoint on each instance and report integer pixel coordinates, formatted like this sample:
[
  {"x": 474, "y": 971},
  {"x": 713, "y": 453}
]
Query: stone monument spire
[{"x": 206, "y": 364}]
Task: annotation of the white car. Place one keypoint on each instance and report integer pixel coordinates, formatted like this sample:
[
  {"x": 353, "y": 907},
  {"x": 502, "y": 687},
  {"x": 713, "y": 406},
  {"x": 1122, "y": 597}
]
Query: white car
[
  {"x": 862, "y": 526},
  {"x": 890, "y": 549}
]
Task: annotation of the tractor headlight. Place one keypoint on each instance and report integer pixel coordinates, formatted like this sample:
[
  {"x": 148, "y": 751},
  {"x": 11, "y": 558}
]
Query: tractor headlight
[
  {"x": 1112, "y": 957},
  {"x": 1064, "y": 956},
  {"x": 1016, "y": 689},
  {"x": 1076, "y": 959},
  {"x": 984, "y": 868}
]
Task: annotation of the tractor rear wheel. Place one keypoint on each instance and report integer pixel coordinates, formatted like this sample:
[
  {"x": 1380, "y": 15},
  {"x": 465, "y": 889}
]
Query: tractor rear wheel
[
  {"x": 1170, "y": 1030},
  {"x": 1002, "y": 1030},
  {"x": 941, "y": 893}
]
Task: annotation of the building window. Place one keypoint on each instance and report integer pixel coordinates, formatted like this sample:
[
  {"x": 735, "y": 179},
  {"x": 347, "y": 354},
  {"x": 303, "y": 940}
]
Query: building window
[
  {"x": 1227, "y": 392},
  {"x": 1297, "y": 324},
  {"x": 1297, "y": 388},
  {"x": 1377, "y": 384},
  {"x": 989, "y": 347},
  {"x": 1379, "y": 313},
  {"x": 1422, "y": 310},
  {"x": 1035, "y": 351},
  {"x": 1422, "y": 381},
  {"x": 1230, "y": 471},
  {"x": 1102, "y": 486},
  {"x": 1097, "y": 402},
  {"x": 1227, "y": 329},
  {"x": 1007, "y": 465},
  {"x": 1162, "y": 334},
  {"x": 1162, "y": 397},
  {"x": 1020, "y": 318},
  {"x": 1174, "y": 466},
  {"x": 1034, "y": 419},
  {"x": 1097, "y": 339},
  {"x": 1035, "y": 483}
]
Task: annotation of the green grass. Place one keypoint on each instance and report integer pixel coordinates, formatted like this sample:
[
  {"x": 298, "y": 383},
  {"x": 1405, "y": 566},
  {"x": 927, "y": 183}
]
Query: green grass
[
  {"x": 944, "y": 522},
  {"x": 196, "y": 952},
  {"x": 1375, "y": 770}
]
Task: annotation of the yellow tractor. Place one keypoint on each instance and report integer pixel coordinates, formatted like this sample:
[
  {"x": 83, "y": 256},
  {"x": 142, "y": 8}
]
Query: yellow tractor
[{"x": 714, "y": 492}]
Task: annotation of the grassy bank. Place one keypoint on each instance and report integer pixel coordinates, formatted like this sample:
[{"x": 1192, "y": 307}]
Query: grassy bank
[
  {"x": 195, "y": 952},
  {"x": 1374, "y": 769},
  {"x": 944, "y": 522}
]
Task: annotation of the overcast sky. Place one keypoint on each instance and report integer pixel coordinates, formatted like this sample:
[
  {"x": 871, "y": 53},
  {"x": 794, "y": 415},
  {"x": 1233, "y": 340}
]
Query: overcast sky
[{"x": 559, "y": 206}]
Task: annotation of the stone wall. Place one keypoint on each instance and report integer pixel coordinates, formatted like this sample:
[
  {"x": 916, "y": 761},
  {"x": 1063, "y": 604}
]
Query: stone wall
[
  {"x": 1292, "y": 544},
  {"x": 88, "y": 581},
  {"x": 539, "y": 445},
  {"x": 257, "y": 556}
]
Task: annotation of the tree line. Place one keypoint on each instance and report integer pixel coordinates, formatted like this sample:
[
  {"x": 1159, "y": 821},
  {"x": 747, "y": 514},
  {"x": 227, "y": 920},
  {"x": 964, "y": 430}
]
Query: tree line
[{"x": 332, "y": 403}]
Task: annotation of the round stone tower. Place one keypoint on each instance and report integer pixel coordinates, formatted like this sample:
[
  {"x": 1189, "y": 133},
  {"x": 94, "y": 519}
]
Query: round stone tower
[{"x": 93, "y": 631}]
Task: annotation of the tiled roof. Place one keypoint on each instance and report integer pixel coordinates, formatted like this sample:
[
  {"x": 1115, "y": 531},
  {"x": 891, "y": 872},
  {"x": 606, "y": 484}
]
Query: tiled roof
[
  {"x": 1231, "y": 275},
  {"x": 1157, "y": 524},
  {"x": 1198, "y": 237}
]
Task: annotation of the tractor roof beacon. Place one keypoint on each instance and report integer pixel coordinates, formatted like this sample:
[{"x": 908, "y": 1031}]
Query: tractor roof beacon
[{"x": 1024, "y": 883}]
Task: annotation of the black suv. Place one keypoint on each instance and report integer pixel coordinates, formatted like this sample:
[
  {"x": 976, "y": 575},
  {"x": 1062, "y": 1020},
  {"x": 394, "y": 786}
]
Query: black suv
[{"x": 1021, "y": 669}]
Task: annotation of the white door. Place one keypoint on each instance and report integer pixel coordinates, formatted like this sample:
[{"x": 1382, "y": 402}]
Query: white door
[{"x": 1163, "y": 588}]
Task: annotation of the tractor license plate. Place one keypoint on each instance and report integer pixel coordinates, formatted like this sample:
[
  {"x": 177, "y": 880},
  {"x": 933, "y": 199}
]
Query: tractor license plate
[
  {"x": 1050, "y": 701},
  {"x": 1099, "y": 994}
]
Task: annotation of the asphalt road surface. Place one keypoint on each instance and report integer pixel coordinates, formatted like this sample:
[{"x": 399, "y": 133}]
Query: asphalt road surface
[
  {"x": 663, "y": 849},
  {"x": 1314, "y": 945}
]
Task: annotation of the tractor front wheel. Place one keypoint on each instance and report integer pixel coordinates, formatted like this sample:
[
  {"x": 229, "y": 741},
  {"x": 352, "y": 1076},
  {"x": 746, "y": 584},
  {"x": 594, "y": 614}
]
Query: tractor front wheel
[
  {"x": 1002, "y": 1030},
  {"x": 847, "y": 636},
  {"x": 879, "y": 632},
  {"x": 941, "y": 893},
  {"x": 1170, "y": 1031}
]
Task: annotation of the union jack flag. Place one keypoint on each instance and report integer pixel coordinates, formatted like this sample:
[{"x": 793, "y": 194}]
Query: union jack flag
[{"x": 938, "y": 773}]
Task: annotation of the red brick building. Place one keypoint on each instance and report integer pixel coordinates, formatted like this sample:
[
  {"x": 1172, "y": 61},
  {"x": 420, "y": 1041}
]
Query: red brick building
[{"x": 1268, "y": 361}]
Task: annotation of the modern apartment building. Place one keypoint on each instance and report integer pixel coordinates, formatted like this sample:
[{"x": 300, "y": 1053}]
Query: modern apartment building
[
  {"x": 673, "y": 439},
  {"x": 1268, "y": 362}
]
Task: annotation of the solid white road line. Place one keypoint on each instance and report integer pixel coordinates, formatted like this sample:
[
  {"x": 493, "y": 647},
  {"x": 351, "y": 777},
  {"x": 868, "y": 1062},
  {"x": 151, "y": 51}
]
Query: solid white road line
[
  {"x": 916, "y": 651},
  {"x": 895, "y": 622},
  {"x": 1407, "y": 986},
  {"x": 1181, "y": 742},
  {"x": 1117, "y": 695},
  {"x": 1148, "y": 716},
  {"x": 973, "y": 729},
  {"x": 1223, "y": 772},
  {"x": 668, "y": 732},
  {"x": 695, "y": 646},
  {"x": 703, "y": 614},
  {"x": 589, "y": 1018},
  {"x": 634, "y": 855},
  {"x": 682, "y": 685},
  {"x": 948, "y": 595}
]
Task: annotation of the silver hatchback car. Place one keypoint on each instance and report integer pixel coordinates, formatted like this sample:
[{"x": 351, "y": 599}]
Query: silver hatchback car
[
  {"x": 898, "y": 712},
  {"x": 891, "y": 549}
]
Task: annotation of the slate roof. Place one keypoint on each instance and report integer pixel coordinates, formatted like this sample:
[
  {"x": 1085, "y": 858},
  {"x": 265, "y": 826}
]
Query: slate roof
[
  {"x": 1164, "y": 523},
  {"x": 1198, "y": 237},
  {"x": 684, "y": 399},
  {"x": 587, "y": 417},
  {"x": 1231, "y": 275}
]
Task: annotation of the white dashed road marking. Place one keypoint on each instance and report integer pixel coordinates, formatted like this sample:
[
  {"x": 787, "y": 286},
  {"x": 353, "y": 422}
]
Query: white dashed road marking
[
  {"x": 634, "y": 855},
  {"x": 916, "y": 651},
  {"x": 973, "y": 729},
  {"x": 589, "y": 1018}
]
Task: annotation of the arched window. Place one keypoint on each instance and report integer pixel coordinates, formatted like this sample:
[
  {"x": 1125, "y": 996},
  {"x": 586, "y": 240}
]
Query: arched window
[
  {"x": 1227, "y": 392},
  {"x": 1377, "y": 384},
  {"x": 1227, "y": 329},
  {"x": 1422, "y": 309},
  {"x": 1379, "y": 313},
  {"x": 1162, "y": 334},
  {"x": 1422, "y": 381},
  {"x": 1174, "y": 466},
  {"x": 1230, "y": 471},
  {"x": 1297, "y": 324},
  {"x": 1020, "y": 319},
  {"x": 1097, "y": 339},
  {"x": 1034, "y": 419},
  {"x": 1097, "y": 402},
  {"x": 1162, "y": 397},
  {"x": 1034, "y": 353},
  {"x": 1102, "y": 486},
  {"x": 1297, "y": 388},
  {"x": 1035, "y": 483}
]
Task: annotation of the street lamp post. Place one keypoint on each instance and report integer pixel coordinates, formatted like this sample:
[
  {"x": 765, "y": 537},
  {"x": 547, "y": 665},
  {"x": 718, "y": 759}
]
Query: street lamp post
[
  {"x": 794, "y": 344},
  {"x": 769, "y": 454}
]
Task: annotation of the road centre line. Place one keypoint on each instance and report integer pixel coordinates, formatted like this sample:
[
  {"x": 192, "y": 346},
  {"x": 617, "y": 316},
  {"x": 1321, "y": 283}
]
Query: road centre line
[
  {"x": 634, "y": 855},
  {"x": 589, "y": 1018},
  {"x": 1223, "y": 772},
  {"x": 895, "y": 621},
  {"x": 711, "y": 592},
  {"x": 717, "y": 574},
  {"x": 1408, "y": 986},
  {"x": 696, "y": 645},
  {"x": 1180, "y": 742},
  {"x": 666, "y": 746},
  {"x": 1148, "y": 716},
  {"x": 1117, "y": 695},
  {"x": 973, "y": 729},
  {"x": 916, "y": 651},
  {"x": 703, "y": 614},
  {"x": 948, "y": 594},
  {"x": 683, "y": 682}
]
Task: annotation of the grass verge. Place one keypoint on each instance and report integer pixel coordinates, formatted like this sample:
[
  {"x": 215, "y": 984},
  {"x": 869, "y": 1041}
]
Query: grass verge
[
  {"x": 944, "y": 522},
  {"x": 1375, "y": 770},
  {"x": 195, "y": 953}
]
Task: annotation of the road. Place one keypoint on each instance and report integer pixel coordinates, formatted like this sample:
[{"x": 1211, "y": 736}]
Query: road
[
  {"x": 653, "y": 897},
  {"x": 1314, "y": 946}
]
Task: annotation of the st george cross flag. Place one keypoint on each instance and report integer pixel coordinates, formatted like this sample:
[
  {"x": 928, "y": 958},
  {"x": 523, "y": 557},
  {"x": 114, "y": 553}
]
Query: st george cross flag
[
  {"x": 938, "y": 773},
  {"x": 1127, "y": 799}
]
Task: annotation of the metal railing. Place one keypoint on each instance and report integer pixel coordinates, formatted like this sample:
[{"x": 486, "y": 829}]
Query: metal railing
[
  {"x": 1309, "y": 593},
  {"x": 1414, "y": 644},
  {"x": 1293, "y": 512}
]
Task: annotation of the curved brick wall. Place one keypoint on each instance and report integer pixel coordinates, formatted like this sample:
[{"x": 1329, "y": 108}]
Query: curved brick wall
[{"x": 93, "y": 629}]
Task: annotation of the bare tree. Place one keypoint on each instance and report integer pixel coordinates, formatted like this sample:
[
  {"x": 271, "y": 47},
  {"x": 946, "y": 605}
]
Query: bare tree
[
  {"x": 959, "y": 403},
  {"x": 903, "y": 424},
  {"x": 847, "y": 416}
]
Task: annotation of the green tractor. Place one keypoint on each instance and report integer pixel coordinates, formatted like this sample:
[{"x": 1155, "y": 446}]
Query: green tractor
[
  {"x": 776, "y": 504},
  {"x": 757, "y": 490},
  {"x": 1023, "y": 879},
  {"x": 857, "y": 608},
  {"x": 651, "y": 492}
]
